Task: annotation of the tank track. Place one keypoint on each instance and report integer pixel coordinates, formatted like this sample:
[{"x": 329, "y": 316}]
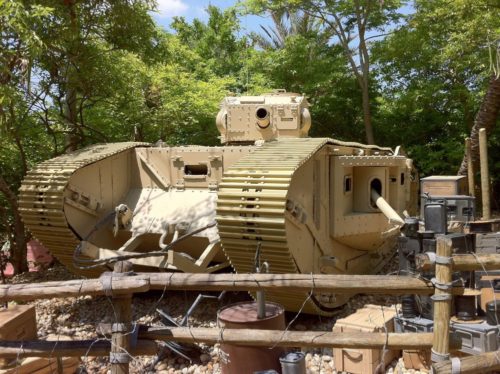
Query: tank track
[
  {"x": 41, "y": 200},
  {"x": 251, "y": 208}
]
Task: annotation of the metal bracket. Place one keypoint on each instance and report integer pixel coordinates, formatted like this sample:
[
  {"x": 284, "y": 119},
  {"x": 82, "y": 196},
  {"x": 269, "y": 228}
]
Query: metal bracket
[{"x": 119, "y": 358}]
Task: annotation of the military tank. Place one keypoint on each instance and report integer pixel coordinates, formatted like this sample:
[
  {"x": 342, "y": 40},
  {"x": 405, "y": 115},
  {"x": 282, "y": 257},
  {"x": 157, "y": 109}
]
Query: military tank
[{"x": 310, "y": 205}]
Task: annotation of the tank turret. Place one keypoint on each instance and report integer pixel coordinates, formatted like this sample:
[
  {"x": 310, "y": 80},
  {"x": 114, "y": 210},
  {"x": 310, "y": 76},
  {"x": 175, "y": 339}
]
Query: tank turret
[{"x": 280, "y": 114}]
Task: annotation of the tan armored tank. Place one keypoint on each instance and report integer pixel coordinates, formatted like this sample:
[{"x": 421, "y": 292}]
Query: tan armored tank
[{"x": 312, "y": 205}]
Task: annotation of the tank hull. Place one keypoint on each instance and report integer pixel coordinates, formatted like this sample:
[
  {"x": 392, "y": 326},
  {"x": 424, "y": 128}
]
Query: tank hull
[{"x": 305, "y": 201}]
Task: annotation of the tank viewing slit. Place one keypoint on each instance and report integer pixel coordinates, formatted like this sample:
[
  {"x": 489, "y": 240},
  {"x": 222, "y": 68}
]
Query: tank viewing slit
[{"x": 314, "y": 205}]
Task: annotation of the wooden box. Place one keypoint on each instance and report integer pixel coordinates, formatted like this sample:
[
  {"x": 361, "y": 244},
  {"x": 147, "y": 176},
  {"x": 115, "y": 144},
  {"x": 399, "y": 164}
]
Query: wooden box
[
  {"x": 39, "y": 365},
  {"x": 371, "y": 318},
  {"x": 444, "y": 185},
  {"x": 490, "y": 289},
  {"x": 18, "y": 322},
  {"x": 418, "y": 360}
]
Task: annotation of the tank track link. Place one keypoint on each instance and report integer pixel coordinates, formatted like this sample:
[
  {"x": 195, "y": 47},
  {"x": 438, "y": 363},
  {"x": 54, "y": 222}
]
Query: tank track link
[
  {"x": 41, "y": 200},
  {"x": 251, "y": 208}
]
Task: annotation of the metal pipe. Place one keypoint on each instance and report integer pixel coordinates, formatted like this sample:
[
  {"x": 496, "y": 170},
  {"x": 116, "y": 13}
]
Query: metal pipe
[
  {"x": 386, "y": 209},
  {"x": 485, "y": 177},
  {"x": 261, "y": 304},
  {"x": 470, "y": 167},
  {"x": 260, "y": 295}
]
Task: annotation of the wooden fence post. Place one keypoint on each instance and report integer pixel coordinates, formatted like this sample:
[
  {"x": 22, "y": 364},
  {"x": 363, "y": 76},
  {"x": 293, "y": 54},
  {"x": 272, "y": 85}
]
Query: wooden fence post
[
  {"x": 442, "y": 300},
  {"x": 121, "y": 328}
]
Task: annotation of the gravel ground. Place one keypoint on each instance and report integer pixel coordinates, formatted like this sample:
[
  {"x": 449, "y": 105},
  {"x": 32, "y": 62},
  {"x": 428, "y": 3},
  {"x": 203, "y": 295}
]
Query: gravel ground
[{"x": 77, "y": 318}]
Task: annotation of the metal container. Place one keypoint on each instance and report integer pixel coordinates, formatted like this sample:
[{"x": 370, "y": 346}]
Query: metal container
[
  {"x": 493, "y": 312},
  {"x": 293, "y": 363},
  {"x": 242, "y": 359}
]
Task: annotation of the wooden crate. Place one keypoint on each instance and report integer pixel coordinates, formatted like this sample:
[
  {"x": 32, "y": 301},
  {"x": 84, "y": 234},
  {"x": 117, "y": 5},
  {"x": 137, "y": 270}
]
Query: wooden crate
[
  {"x": 18, "y": 322},
  {"x": 489, "y": 293},
  {"x": 417, "y": 359},
  {"x": 371, "y": 318},
  {"x": 444, "y": 185},
  {"x": 38, "y": 365}
]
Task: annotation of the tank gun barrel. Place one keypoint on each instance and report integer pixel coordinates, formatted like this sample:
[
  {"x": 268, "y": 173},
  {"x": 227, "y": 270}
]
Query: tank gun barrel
[{"x": 386, "y": 209}]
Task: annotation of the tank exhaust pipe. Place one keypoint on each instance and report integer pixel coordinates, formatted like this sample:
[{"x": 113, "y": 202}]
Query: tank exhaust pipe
[
  {"x": 263, "y": 117},
  {"x": 386, "y": 209}
]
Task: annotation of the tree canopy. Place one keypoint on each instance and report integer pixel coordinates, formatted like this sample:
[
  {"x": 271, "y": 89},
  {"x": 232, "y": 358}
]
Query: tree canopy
[{"x": 75, "y": 72}]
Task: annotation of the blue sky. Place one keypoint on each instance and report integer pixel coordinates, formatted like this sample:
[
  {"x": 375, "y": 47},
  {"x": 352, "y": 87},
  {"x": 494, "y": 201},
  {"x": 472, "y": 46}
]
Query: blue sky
[{"x": 190, "y": 9}]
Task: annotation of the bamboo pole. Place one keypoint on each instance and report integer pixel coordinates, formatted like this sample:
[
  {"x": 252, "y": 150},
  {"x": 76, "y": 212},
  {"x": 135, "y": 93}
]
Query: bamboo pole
[
  {"x": 485, "y": 175},
  {"x": 340, "y": 284},
  {"x": 463, "y": 262},
  {"x": 484, "y": 362},
  {"x": 470, "y": 168},
  {"x": 442, "y": 302},
  {"x": 70, "y": 348},
  {"x": 121, "y": 330}
]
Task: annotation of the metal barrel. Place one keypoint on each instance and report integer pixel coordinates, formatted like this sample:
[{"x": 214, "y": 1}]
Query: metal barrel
[
  {"x": 293, "y": 363},
  {"x": 242, "y": 359}
]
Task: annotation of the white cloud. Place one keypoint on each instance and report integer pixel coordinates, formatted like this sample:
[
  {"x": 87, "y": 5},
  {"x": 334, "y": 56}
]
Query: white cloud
[{"x": 171, "y": 8}]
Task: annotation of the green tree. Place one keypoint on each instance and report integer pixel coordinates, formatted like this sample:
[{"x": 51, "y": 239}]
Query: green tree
[
  {"x": 216, "y": 41},
  {"x": 19, "y": 45},
  {"x": 350, "y": 22},
  {"x": 435, "y": 69},
  {"x": 78, "y": 36}
]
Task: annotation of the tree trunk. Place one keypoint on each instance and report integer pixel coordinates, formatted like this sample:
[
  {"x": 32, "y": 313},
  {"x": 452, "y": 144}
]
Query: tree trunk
[
  {"x": 486, "y": 118},
  {"x": 18, "y": 247},
  {"x": 73, "y": 129},
  {"x": 367, "y": 117}
]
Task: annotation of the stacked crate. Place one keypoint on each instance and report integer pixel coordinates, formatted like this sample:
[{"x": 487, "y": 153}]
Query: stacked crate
[
  {"x": 18, "y": 322},
  {"x": 371, "y": 318}
]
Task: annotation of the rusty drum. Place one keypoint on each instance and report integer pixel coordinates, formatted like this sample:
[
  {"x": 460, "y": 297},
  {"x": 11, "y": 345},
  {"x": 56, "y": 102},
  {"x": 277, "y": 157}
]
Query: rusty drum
[{"x": 239, "y": 359}]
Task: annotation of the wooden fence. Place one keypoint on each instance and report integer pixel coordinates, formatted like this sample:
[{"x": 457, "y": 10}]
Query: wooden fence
[{"x": 122, "y": 284}]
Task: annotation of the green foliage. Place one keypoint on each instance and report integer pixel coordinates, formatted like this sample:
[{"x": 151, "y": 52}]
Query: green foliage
[
  {"x": 102, "y": 71},
  {"x": 434, "y": 70},
  {"x": 216, "y": 41}
]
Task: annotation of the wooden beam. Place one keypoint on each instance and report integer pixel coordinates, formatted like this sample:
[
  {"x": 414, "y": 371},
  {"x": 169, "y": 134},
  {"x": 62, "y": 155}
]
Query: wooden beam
[
  {"x": 442, "y": 302},
  {"x": 142, "y": 282},
  {"x": 463, "y": 262},
  {"x": 482, "y": 363},
  {"x": 260, "y": 338},
  {"x": 340, "y": 284},
  {"x": 80, "y": 287},
  {"x": 269, "y": 338},
  {"x": 122, "y": 326},
  {"x": 91, "y": 348}
]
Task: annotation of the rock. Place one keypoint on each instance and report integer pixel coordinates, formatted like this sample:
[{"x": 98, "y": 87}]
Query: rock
[
  {"x": 162, "y": 366},
  {"x": 204, "y": 358},
  {"x": 326, "y": 358}
]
